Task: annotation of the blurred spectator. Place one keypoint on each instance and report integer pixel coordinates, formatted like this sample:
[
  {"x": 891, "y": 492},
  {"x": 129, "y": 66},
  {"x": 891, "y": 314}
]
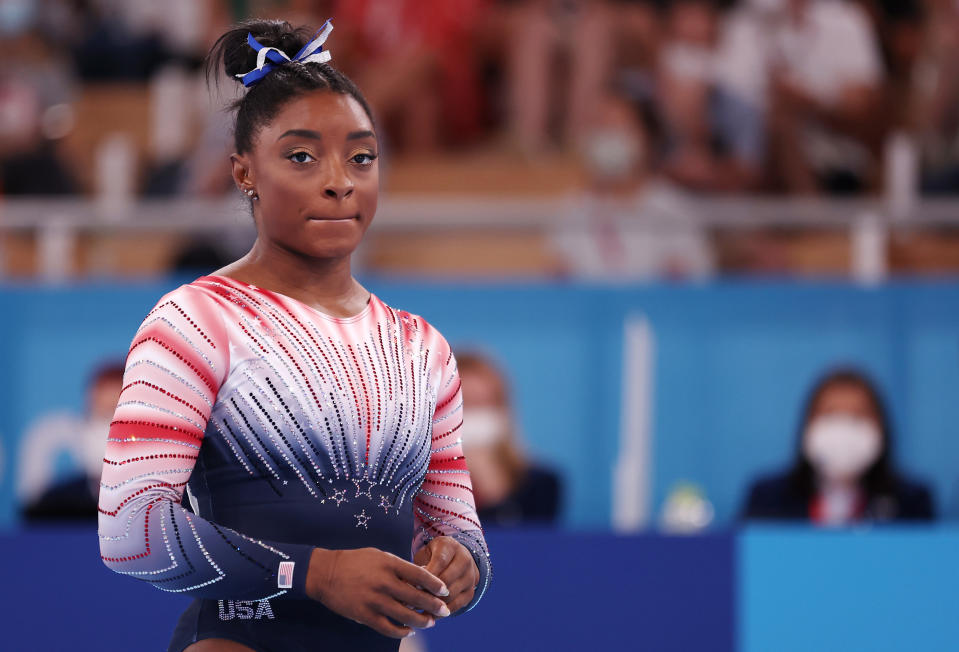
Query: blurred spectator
[
  {"x": 628, "y": 224},
  {"x": 550, "y": 41},
  {"x": 35, "y": 114},
  {"x": 715, "y": 131},
  {"x": 844, "y": 471},
  {"x": 83, "y": 438},
  {"x": 936, "y": 95},
  {"x": 824, "y": 77},
  {"x": 415, "y": 61},
  {"x": 509, "y": 489},
  {"x": 129, "y": 40}
]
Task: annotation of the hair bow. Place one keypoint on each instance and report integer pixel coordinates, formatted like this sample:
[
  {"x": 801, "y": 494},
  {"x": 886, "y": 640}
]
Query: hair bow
[{"x": 312, "y": 52}]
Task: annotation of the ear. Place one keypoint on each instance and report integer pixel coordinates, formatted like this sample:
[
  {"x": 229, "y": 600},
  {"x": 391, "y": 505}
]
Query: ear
[{"x": 242, "y": 171}]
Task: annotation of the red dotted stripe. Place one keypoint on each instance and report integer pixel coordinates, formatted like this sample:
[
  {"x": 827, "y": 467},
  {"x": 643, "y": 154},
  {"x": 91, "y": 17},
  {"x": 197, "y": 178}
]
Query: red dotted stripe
[
  {"x": 448, "y": 512},
  {"x": 165, "y": 392},
  {"x": 208, "y": 382},
  {"x": 448, "y": 463},
  {"x": 186, "y": 317},
  {"x": 452, "y": 396},
  {"x": 150, "y": 457},
  {"x": 447, "y": 434},
  {"x": 146, "y": 527},
  {"x": 447, "y": 484}
]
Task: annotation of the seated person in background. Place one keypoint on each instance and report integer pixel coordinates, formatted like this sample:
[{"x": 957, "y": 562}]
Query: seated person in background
[
  {"x": 843, "y": 472},
  {"x": 508, "y": 488},
  {"x": 628, "y": 223},
  {"x": 84, "y": 438}
]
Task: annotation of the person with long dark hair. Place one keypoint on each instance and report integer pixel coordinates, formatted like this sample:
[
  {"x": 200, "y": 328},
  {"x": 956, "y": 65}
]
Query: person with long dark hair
[
  {"x": 313, "y": 427},
  {"x": 843, "y": 471}
]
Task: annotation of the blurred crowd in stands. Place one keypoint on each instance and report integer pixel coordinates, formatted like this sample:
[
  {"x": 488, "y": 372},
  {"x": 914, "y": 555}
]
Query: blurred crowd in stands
[
  {"x": 630, "y": 108},
  {"x": 783, "y": 96}
]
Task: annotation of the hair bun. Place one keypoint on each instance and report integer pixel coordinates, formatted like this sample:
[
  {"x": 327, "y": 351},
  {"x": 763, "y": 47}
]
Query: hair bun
[{"x": 237, "y": 55}]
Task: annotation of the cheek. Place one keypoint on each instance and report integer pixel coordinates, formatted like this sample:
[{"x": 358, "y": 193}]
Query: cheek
[{"x": 368, "y": 190}]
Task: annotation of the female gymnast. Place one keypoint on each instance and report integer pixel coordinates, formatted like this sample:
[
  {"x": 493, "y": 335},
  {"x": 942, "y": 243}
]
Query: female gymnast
[{"x": 313, "y": 428}]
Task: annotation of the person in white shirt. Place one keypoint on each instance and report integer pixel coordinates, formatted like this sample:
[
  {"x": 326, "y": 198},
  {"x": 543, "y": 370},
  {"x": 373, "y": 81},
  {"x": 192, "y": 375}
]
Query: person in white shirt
[
  {"x": 628, "y": 224},
  {"x": 813, "y": 68}
]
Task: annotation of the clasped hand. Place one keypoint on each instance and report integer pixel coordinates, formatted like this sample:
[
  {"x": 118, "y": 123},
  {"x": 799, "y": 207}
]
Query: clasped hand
[{"x": 389, "y": 594}]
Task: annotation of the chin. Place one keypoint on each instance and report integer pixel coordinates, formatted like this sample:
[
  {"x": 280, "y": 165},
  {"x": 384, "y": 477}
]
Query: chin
[{"x": 326, "y": 250}]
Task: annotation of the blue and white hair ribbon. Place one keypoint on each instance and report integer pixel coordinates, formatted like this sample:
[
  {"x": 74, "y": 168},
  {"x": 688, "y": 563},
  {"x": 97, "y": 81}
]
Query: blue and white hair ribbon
[{"x": 312, "y": 52}]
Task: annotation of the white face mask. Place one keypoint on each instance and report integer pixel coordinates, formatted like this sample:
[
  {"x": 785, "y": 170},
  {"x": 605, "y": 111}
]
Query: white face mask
[
  {"x": 612, "y": 154},
  {"x": 841, "y": 446},
  {"x": 484, "y": 426}
]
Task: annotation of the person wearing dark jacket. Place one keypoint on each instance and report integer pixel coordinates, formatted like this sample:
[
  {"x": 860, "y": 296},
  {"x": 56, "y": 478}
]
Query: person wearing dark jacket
[
  {"x": 843, "y": 471},
  {"x": 510, "y": 489}
]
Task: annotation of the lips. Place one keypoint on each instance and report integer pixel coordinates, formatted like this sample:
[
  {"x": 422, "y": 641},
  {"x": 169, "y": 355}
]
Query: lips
[{"x": 331, "y": 218}]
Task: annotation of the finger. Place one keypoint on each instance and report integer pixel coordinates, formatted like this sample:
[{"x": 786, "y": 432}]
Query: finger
[
  {"x": 383, "y": 625},
  {"x": 459, "y": 576},
  {"x": 443, "y": 552},
  {"x": 418, "y": 599},
  {"x": 419, "y": 576},
  {"x": 422, "y": 556},
  {"x": 461, "y": 600},
  {"x": 403, "y": 614}
]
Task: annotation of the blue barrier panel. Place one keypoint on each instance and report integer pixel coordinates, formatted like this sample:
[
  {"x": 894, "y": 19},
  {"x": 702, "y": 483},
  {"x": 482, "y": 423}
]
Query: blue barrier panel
[
  {"x": 855, "y": 591},
  {"x": 732, "y": 364},
  {"x": 550, "y": 591}
]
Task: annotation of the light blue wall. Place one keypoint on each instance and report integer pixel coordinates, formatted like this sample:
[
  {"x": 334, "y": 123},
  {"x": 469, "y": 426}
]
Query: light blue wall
[
  {"x": 733, "y": 363},
  {"x": 856, "y": 591}
]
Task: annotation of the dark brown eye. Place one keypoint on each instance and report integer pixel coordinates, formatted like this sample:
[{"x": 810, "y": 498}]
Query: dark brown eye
[
  {"x": 300, "y": 157},
  {"x": 364, "y": 159}
]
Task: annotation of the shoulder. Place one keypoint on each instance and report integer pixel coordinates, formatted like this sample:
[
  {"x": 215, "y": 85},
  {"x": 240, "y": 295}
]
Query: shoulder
[
  {"x": 771, "y": 484},
  {"x": 543, "y": 481},
  {"x": 187, "y": 318},
  {"x": 200, "y": 302},
  {"x": 416, "y": 327},
  {"x": 192, "y": 295},
  {"x": 914, "y": 498},
  {"x": 774, "y": 496},
  {"x": 543, "y": 476}
]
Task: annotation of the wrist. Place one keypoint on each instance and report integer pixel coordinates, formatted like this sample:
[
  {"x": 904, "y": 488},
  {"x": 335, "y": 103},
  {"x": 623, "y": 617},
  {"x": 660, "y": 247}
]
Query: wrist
[{"x": 320, "y": 572}]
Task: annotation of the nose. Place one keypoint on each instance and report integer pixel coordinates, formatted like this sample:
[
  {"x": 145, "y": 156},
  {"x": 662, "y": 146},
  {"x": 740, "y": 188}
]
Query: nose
[{"x": 338, "y": 185}]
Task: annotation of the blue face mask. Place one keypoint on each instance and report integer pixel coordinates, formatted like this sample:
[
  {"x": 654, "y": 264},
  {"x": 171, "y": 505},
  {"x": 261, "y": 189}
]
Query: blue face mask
[{"x": 16, "y": 16}]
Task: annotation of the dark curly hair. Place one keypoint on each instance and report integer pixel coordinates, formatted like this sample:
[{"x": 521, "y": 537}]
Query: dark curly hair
[{"x": 260, "y": 104}]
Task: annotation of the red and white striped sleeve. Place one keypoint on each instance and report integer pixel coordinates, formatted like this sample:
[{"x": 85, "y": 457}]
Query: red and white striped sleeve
[
  {"x": 444, "y": 504},
  {"x": 176, "y": 364}
]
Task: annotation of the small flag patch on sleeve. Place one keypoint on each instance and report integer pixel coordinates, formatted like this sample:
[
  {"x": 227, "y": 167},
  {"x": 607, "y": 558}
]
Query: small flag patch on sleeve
[{"x": 285, "y": 578}]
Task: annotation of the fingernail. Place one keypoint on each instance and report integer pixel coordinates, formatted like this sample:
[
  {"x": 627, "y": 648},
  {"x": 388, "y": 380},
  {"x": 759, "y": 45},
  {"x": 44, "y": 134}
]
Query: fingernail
[
  {"x": 444, "y": 591},
  {"x": 431, "y": 623},
  {"x": 443, "y": 612},
  {"x": 412, "y": 633}
]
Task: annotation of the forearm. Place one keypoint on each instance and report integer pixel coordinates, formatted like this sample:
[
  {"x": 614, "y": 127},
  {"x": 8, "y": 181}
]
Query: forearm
[{"x": 154, "y": 539}]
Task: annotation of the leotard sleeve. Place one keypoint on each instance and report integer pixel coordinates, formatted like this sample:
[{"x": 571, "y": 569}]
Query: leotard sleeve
[
  {"x": 176, "y": 364},
  {"x": 444, "y": 505}
]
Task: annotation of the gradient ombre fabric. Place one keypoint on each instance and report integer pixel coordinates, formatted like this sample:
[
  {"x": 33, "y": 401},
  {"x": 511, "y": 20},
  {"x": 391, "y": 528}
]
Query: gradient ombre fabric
[{"x": 287, "y": 429}]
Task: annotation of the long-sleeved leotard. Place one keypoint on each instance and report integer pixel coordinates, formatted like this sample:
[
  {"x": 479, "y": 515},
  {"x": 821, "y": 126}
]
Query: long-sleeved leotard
[{"x": 289, "y": 429}]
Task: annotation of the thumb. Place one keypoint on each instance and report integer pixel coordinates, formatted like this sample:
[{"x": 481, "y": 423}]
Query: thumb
[{"x": 422, "y": 556}]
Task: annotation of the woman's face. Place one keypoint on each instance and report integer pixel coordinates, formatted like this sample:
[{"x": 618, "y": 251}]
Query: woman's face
[
  {"x": 843, "y": 437},
  {"x": 315, "y": 170},
  {"x": 845, "y": 399},
  {"x": 480, "y": 389},
  {"x": 485, "y": 418}
]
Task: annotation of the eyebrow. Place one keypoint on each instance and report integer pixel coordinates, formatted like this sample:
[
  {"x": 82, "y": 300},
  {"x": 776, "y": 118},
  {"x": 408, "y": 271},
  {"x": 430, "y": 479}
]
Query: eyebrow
[{"x": 315, "y": 135}]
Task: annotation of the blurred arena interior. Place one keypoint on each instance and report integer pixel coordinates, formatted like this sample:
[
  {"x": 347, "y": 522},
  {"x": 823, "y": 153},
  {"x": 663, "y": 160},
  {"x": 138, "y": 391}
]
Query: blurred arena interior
[{"x": 663, "y": 220}]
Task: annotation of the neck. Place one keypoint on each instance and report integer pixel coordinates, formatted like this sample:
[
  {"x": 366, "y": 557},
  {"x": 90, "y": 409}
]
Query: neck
[
  {"x": 326, "y": 283},
  {"x": 838, "y": 484}
]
